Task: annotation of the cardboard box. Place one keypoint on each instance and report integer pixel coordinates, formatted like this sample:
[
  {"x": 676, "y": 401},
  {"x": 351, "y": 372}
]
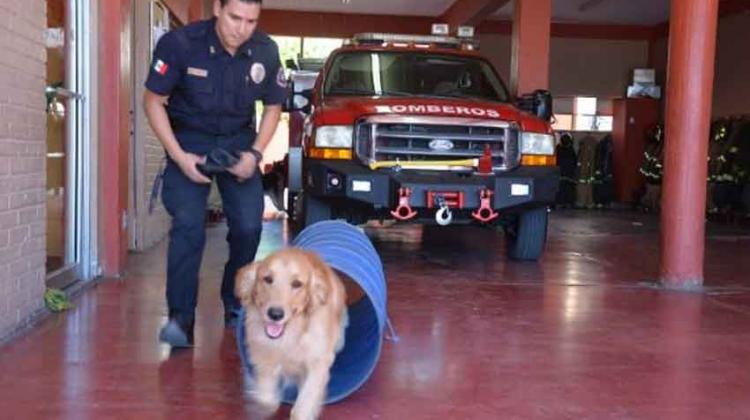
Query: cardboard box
[{"x": 644, "y": 76}]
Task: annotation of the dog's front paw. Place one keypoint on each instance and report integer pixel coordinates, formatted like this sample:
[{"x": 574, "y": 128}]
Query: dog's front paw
[
  {"x": 268, "y": 403},
  {"x": 303, "y": 414}
]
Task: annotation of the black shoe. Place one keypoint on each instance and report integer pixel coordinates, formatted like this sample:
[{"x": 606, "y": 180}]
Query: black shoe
[{"x": 177, "y": 334}]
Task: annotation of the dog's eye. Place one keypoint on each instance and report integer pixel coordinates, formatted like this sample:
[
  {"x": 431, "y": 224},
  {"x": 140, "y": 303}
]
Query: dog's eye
[
  {"x": 296, "y": 284},
  {"x": 268, "y": 279}
]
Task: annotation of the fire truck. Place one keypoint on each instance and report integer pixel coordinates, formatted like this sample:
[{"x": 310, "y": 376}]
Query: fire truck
[{"x": 418, "y": 129}]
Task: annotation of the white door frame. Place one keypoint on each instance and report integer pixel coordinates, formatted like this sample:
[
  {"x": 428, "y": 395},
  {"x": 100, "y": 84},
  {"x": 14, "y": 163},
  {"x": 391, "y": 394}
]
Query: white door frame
[{"x": 81, "y": 256}]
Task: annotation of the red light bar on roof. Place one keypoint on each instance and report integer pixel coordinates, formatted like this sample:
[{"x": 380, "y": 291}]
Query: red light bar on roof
[
  {"x": 402, "y": 39},
  {"x": 440, "y": 29}
]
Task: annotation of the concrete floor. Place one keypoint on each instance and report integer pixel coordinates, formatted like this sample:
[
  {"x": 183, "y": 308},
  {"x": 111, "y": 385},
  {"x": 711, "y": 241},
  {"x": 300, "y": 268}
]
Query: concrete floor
[{"x": 583, "y": 334}]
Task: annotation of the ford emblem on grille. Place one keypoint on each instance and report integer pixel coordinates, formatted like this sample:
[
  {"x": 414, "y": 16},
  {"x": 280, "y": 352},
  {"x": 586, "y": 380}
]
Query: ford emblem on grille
[{"x": 441, "y": 145}]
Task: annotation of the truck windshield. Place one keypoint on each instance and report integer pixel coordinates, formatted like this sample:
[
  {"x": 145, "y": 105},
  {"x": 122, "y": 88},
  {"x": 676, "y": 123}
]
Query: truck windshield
[{"x": 413, "y": 74}]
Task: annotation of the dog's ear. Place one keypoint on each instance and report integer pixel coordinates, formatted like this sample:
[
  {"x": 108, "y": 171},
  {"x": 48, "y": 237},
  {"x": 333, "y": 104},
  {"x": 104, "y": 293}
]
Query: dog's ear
[
  {"x": 244, "y": 283},
  {"x": 321, "y": 281},
  {"x": 321, "y": 287}
]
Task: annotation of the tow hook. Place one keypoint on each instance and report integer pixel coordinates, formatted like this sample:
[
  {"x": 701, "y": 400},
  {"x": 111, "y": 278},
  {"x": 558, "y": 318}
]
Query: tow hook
[
  {"x": 485, "y": 213},
  {"x": 404, "y": 210},
  {"x": 443, "y": 216}
]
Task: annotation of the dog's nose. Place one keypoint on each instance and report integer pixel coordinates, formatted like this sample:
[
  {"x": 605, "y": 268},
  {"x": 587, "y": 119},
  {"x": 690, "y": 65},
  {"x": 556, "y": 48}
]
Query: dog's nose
[{"x": 276, "y": 314}]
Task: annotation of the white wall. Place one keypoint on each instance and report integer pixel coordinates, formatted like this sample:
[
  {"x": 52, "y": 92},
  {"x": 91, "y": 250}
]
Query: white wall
[
  {"x": 732, "y": 81},
  {"x": 593, "y": 67},
  {"x": 732, "y": 73}
]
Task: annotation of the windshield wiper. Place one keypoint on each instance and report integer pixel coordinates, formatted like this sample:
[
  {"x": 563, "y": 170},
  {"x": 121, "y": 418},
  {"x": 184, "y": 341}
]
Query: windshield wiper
[
  {"x": 399, "y": 93},
  {"x": 454, "y": 93},
  {"x": 347, "y": 91},
  {"x": 351, "y": 91}
]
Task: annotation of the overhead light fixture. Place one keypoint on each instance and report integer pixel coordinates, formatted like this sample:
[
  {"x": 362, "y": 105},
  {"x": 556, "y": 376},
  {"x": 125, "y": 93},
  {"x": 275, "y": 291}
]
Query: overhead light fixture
[
  {"x": 440, "y": 29},
  {"x": 466, "y": 31}
]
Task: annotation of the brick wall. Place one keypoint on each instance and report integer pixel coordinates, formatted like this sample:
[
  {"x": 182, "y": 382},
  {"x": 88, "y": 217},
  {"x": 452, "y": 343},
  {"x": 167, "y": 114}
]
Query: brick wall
[
  {"x": 148, "y": 152},
  {"x": 22, "y": 161}
]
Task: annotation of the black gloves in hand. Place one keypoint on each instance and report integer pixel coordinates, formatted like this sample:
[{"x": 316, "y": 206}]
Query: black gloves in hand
[{"x": 217, "y": 161}]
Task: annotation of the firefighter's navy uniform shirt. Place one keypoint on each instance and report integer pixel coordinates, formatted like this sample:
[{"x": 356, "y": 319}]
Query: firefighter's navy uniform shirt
[{"x": 212, "y": 94}]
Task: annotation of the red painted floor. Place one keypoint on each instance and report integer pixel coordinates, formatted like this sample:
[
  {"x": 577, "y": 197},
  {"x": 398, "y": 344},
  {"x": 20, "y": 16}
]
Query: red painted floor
[{"x": 581, "y": 335}]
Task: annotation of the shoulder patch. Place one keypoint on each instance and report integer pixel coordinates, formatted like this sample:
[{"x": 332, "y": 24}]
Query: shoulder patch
[
  {"x": 281, "y": 77},
  {"x": 161, "y": 67}
]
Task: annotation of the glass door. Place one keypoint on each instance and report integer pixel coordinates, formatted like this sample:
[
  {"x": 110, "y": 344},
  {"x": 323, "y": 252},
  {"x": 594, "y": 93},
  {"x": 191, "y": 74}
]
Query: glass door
[{"x": 65, "y": 140}]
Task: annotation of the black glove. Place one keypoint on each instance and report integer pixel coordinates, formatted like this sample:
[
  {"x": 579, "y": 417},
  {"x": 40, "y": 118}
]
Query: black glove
[{"x": 218, "y": 161}]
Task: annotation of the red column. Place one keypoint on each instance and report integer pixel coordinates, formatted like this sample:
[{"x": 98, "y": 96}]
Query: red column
[
  {"x": 114, "y": 132},
  {"x": 195, "y": 12},
  {"x": 529, "y": 69},
  {"x": 692, "y": 47}
]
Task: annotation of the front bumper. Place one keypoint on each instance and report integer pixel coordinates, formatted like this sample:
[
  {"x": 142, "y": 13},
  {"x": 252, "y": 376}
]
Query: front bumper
[{"x": 519, "y": 188}]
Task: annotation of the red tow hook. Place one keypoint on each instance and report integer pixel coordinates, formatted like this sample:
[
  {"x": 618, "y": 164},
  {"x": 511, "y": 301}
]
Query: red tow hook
[
  {"x": 403, "y": 211},
  {"x": 485, "y": 213}
]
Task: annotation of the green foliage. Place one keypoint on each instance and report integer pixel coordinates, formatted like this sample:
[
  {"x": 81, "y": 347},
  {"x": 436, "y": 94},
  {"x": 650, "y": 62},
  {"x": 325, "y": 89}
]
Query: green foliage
[{"x": 56, "y": 301}]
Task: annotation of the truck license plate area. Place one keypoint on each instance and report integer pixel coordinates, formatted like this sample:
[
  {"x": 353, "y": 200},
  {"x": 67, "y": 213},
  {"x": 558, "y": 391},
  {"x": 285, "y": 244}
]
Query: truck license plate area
[{"x": 454, "y": 199}]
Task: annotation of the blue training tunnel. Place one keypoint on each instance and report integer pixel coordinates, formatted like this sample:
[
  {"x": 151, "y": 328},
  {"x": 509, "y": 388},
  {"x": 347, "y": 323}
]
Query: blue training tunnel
[{"x": 346, "y": 249}]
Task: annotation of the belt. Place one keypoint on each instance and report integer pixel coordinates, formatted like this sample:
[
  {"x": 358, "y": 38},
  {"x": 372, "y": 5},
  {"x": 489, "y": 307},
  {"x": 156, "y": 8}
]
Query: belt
[{"x": 202, "y": 142}]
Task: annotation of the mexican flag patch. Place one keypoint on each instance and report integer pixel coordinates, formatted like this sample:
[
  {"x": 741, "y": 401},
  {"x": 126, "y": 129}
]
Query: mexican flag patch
[{"x": 161, "y": 67}]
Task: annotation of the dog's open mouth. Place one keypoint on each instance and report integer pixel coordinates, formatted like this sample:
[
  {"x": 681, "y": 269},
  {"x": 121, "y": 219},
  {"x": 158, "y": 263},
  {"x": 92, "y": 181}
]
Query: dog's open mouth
[{"x": 274, "y": 330}]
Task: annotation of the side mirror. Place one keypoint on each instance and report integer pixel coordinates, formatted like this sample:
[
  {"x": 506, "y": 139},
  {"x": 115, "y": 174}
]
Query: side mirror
[
  {"x": 291, "y": 64},
  {"x": 538, "y": 103},
  {"x": 298, "y": 101},
  {"x": 302, "y": 101}
]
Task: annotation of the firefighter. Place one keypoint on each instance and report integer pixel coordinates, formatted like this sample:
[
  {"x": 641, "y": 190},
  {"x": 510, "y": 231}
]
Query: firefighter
[{"x": 200, "y": 97}]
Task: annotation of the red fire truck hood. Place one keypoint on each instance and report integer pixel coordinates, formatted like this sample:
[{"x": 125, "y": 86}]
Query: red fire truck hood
[{"x": 345, "y": 110}]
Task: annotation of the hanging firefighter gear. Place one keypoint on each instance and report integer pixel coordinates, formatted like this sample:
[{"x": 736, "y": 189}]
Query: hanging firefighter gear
[
  {"x": 567, "y": 160},
  {"x": 602, "y": 188},
  {"x": 586, "y": 170}
]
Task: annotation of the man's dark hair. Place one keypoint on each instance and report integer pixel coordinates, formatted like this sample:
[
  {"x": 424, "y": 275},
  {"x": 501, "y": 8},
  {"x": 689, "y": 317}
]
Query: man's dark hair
[{"x": 224, "y": 2}]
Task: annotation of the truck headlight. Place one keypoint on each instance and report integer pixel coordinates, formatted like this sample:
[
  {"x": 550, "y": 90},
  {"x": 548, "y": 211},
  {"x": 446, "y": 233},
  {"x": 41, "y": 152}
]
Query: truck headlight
[
  {"x": 334, "y": 136},
  {"x": 537, "y": 144}
]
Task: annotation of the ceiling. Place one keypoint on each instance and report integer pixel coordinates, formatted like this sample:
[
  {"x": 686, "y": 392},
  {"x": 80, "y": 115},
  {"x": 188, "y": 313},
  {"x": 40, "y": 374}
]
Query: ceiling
[
  {"x": 624, "y": 12},
  {"x": 628, "y": 12},
  {"x": 377, "y": 7}
]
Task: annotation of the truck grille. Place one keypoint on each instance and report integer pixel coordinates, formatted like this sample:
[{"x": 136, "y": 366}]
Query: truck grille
[{"x": 429, "y": 139}]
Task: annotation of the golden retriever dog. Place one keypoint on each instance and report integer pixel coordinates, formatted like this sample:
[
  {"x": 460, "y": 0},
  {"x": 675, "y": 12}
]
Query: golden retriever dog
[{"x": 296, "y": 317}]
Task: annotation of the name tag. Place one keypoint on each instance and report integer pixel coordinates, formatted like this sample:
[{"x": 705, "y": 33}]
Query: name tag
[{"x": 197, "y": 72}]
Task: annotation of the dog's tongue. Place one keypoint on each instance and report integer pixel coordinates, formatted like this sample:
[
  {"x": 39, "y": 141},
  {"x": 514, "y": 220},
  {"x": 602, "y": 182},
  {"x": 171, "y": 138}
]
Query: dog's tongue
[{"x": 274, "y": 330}]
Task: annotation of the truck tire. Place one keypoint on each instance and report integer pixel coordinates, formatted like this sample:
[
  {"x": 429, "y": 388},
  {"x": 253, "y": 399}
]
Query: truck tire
[
  {"x": 291, "y": 204},
  {"x": 309, "y": 210},
  {"x": 526, "y": 237}
]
